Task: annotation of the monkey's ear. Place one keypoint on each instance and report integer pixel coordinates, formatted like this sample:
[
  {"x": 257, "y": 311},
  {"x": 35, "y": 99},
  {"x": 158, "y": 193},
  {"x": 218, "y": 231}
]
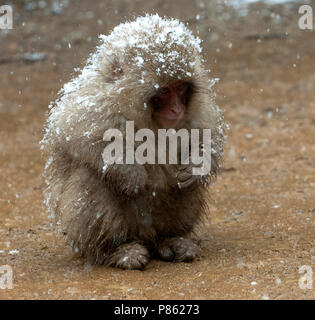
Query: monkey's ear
[{"x": 117, "y": 71}]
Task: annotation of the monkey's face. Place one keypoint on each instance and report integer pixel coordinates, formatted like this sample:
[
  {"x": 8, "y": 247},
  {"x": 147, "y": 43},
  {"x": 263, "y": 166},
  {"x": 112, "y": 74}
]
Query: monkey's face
[{"x": 170, "y": 104}]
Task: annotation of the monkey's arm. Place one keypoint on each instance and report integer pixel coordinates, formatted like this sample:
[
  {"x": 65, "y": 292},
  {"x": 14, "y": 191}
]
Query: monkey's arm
[
  {"x": 87, "y": 150},
  {"x": 127, "y": 179}
]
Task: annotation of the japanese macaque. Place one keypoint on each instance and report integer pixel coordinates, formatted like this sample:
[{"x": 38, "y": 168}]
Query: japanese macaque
[{"x": 149, "y": 71}]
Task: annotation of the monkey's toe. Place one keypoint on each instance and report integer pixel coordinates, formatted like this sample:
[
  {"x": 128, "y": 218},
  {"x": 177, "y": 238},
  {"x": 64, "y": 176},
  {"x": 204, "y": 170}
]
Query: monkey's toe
[
  {"x": 178, "y": 250},
  {"x": 130, "y": 256}
]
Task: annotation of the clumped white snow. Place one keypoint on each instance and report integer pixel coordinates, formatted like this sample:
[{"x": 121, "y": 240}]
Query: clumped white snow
[
  {"x": 153, "y": 38},
  {"x": 14, "y": 251}
]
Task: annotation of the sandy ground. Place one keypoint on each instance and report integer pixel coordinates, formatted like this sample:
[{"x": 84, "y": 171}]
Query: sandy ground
[{"x": 261, "y": 226}]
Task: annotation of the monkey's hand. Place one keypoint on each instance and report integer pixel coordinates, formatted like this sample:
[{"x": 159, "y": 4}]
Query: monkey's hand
[{"x": 186, "y": 180}]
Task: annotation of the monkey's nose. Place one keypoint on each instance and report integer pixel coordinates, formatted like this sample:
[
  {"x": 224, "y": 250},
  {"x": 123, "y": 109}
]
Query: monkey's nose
[{"x": 176, "y": 109}]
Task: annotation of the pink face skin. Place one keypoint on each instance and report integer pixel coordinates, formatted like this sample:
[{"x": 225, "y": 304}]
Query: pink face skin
[{"x": 170, "y": 104}]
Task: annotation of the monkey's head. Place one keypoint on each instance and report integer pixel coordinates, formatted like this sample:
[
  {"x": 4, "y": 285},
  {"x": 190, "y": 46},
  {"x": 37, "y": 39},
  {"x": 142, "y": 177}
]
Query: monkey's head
[{"x": 154, "y": 69}]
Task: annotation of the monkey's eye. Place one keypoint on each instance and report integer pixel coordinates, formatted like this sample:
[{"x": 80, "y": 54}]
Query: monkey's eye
[
  {"x": 183, "y": 86},
  {"x": 164, "y": 91}
]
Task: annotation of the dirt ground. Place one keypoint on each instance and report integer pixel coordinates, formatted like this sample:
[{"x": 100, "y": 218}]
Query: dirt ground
[{"x": 261, "y": 224}]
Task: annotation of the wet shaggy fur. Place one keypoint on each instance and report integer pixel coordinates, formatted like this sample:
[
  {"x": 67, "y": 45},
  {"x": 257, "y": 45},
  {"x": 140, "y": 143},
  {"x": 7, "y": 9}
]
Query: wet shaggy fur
[{"x": 122, "y": 215}]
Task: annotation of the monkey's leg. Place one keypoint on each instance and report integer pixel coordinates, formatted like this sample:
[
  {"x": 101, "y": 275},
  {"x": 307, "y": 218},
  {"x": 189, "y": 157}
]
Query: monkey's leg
[
  {"x": 131, "y": 255},
  {"x": 178, "y": 249}
]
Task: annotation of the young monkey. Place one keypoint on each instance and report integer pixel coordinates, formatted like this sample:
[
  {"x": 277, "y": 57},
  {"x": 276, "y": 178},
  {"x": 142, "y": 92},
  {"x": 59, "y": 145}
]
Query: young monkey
[{"x": 149, "y": 71}]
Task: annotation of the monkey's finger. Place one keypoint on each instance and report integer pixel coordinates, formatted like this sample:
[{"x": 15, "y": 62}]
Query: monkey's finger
[
  {"x": 184, "y": 176},
  {"x": 187, "y": 183}
]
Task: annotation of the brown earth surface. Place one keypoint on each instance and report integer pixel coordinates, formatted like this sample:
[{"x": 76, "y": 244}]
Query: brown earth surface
[{"x": 261, "y": 226}]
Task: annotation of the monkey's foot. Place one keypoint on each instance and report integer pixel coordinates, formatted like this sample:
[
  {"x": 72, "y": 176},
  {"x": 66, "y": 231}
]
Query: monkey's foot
[
  {"x": 130, "y": 256},
  {"x": 178, "y": 249}
]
